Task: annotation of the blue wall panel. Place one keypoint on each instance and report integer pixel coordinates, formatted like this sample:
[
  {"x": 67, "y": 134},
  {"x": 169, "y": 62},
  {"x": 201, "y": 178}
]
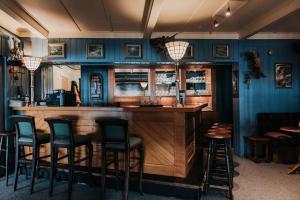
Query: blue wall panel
[{"x": 260, "y": 96}]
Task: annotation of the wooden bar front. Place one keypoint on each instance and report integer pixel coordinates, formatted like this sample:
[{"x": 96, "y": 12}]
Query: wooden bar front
[{"x": 169, "y": 134}]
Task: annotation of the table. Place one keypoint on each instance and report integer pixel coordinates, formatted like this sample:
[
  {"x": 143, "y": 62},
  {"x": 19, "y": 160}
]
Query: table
[{"x": 292, "y": 129}]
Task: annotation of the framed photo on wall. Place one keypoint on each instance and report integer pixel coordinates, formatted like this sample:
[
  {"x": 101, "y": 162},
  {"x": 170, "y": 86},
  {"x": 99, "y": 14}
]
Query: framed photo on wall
[
  {"x": 221, "y": 50},
  {"x": 133, "y": 51},
  {"x": 94, "y": 51},
  {"x": 189, "y": 53},
  {"x": 283, "y": 75},
  {"x": 56, "y": 50}
]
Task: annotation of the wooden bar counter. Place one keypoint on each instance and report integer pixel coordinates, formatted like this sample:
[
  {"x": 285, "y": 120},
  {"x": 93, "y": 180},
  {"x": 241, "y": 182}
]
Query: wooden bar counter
[{"x": 169, "y": 134}]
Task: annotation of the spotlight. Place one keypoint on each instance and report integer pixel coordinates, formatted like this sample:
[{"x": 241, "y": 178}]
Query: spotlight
[
  {"x": 228, "y": 12},
  {"x": 216, "y": 23}
]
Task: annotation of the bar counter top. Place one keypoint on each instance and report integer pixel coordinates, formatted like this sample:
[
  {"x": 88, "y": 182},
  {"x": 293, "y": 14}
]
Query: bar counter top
[{"x": 186, "y": 108}]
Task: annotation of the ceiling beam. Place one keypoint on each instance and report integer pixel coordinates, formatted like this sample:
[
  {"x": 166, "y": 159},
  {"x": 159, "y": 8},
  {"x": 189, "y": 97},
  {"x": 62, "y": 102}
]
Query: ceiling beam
[
  {"x": 268, "y": 18},
  {"x": 16, "y": 11},
  {"x": 151, "y": 13}
]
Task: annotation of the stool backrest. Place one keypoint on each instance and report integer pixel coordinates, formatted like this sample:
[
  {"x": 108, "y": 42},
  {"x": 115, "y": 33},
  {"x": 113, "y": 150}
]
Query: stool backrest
[
  {"x": 60, "y": 129},
  {"x": 25, "y": 126},
  {"x": 114, "y": 131}
]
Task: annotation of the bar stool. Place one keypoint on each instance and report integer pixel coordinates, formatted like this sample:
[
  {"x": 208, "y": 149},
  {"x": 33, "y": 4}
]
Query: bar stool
[
  {"x": 62, "y": 137},
  {"x": 6, "y": 135},
  {"x": 115, "y": 139},
  {"x": 26, "y": 136},
  {"x": 215, "y": 155}
]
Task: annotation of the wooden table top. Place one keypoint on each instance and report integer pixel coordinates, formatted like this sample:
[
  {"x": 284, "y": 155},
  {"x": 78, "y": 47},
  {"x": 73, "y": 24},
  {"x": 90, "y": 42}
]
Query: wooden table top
[{"x": 293, "y": 129}]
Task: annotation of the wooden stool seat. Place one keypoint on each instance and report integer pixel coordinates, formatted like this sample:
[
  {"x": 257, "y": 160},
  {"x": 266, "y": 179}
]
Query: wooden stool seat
[
  {"x": 260, "y": 139},
  {"x": 221, "y": 131},
  {"x": 218, "y": 136},
  {"x": 256, "y": 141}
]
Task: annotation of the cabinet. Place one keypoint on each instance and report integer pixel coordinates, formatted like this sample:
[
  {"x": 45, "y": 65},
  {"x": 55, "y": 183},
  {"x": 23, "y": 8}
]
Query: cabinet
[
  {"x": 131, "y": 82},
  {"x": 165, "y": 83},
  {"x": 198, "y": 82}
]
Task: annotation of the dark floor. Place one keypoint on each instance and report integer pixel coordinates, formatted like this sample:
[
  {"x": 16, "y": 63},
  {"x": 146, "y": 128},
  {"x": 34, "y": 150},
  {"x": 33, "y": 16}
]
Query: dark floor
[{"x": 81, "y": 191}]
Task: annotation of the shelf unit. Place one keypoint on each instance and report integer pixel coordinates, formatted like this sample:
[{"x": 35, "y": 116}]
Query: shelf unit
[
  {"x": 128, "y": 82},
  {"x": 165, "y": 83},
  {"x": 198, "y": 82}
]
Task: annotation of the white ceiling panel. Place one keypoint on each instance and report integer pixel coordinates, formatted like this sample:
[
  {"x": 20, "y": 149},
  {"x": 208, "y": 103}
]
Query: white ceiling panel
[
  {"x": 89, "y": 16},
  {"x": 51, "y": 14}
]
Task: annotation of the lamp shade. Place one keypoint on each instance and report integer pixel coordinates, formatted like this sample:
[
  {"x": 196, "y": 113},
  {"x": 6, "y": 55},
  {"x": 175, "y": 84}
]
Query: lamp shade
[
  {"x": 177, "y": 49},
  {"x": 32, "y": 63}
]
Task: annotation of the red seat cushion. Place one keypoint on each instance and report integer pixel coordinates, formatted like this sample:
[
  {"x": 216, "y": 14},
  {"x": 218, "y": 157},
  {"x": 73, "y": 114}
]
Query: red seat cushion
[{"x": 277, "y": 135}]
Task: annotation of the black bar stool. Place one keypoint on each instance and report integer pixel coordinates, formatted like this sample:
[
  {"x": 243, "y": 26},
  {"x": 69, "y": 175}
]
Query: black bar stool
[
  {"x": 62, "y": 136},
  {"x": 218, "y": 152},
  {"x": 3, "y": 136},
  {"x": 115, "y": 139},
  {"x": 26, "y": 136}
]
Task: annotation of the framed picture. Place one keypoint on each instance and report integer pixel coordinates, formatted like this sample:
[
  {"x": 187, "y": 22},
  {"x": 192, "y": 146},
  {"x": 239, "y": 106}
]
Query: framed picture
[
  {"x": 94, "y": 51},
  {"x": 221, "y": 51},
  {"x": 283, "y": 75},
  {"x": 133, "y": 51},
  {"x": 189, "y": 53},
  {"x": 56, "y": 50}
]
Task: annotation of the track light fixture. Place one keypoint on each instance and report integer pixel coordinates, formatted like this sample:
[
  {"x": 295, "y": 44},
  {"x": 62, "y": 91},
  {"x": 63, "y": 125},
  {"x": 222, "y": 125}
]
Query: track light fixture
[
  {"x": 228, "y": 12},
  {"x": 216, "y": 23}
]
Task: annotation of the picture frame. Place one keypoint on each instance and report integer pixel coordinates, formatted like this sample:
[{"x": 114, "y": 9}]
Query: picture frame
[
  {"x": 56, "y": 50},
  {"x": 221, "y": 50},
  {"x": 283, "y": 75},
  {"x": 189, "y": 53},
  {"x": 133, "y": 51},
  {"x": 94, "y": 50}
]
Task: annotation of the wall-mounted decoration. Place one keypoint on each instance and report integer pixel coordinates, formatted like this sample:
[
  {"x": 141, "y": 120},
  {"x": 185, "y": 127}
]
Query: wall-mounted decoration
[
  {"x": 189, "y": 53},
  {"x": 94, "y": 51},
  {"x": 221, "y": 50},
  {"x": 235, "y": 83},
  {"x": 159, "y": 44},
  {"x": 56, "y": 50},
  {"x": 283, "y": 75},
  {"x": 254, "y": 65},
  {"x": 96, "y": 87},
  {"x": 133, "y": 50}
]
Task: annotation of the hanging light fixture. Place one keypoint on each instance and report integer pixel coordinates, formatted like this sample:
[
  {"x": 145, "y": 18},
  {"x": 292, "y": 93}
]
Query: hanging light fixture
[
  {"x": 32, "y": 63},
  {"x": 176, "y": 51}
]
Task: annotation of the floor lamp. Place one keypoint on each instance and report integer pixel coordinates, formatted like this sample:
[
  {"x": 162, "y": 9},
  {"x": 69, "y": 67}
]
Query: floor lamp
[
  {"x": 32, "y": 63},
  {"x": 176, "y": 51}
]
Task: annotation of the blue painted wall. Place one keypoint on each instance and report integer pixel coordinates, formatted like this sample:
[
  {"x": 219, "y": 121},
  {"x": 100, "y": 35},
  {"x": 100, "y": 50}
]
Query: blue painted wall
[{"x": 260, "y": 96}]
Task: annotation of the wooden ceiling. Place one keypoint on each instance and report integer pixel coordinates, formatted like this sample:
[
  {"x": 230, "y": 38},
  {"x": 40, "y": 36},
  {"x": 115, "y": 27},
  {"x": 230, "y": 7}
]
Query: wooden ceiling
[{"x": 148, "y": 18}]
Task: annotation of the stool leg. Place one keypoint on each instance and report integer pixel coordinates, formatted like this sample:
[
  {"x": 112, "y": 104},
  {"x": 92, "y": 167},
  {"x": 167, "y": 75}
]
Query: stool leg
[
  {"x": 228, "y": 170},
  {"x": 33, "y": 168},
  {"x": 38, "y": 162},
  {"x": 141, "y": 165},
  {"x": 90, "y": 149},
  {"x": 52, "y": 168},
  {"x": 6, "y": 160},
  {"x": 103, "y": 169},
  {"x": 71, "y": 170},
  {"x": 208, "y": 165},
  {"x": 16, "y": 167},
  {"x": 25, "y": 165},
  {"x": 116, "y": 167},
  {"x": 127, "y": 168}
]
